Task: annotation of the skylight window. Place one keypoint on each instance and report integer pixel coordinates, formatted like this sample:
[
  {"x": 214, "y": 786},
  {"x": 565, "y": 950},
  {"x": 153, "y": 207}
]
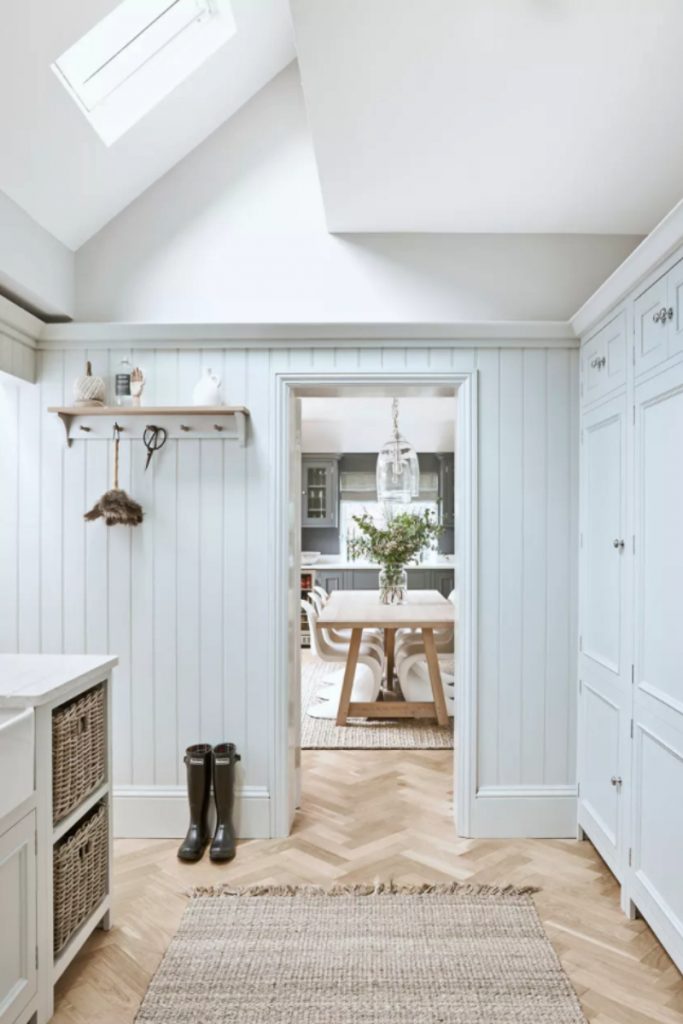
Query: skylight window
[{"x": 132, "y": 59}]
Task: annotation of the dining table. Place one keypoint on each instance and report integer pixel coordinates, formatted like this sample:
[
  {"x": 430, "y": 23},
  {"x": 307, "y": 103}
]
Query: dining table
[{"x": 356, "y": 610}]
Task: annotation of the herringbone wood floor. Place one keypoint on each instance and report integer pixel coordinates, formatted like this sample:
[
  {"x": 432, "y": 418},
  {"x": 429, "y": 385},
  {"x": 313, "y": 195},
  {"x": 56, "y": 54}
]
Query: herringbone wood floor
[{"x": 370, "y": 815}]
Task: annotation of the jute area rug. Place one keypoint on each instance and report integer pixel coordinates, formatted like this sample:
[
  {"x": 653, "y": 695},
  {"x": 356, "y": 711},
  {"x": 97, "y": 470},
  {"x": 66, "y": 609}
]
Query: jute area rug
[
  {"x": 363, "y": 733},
  {"x": 361, "y": 955}
]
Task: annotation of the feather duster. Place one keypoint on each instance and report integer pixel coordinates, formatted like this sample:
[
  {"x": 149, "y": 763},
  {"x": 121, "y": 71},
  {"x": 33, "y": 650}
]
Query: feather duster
[{"x": 116, "y": 507}]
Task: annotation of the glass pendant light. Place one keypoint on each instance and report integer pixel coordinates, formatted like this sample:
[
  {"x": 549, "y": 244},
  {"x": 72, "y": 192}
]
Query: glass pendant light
[{"x": 398, "y": 468}]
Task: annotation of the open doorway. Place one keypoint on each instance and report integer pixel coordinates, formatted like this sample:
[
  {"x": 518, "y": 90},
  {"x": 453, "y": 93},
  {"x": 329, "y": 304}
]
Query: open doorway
[
  {"x": 330, "y": 431},
  {"x": 372, "y": 536}
]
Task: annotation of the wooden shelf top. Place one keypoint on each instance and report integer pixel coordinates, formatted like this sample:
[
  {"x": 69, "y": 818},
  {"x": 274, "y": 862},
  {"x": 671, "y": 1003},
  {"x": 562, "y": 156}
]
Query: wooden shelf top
[{"x": 148, "y": 410}]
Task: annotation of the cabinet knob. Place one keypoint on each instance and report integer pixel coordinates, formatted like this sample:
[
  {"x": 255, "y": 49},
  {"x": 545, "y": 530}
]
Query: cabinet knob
[
  {"x": 670, "y": 313},
  {"x": 619, "y": 544},
  {"x": 616, "y": 780},
  {"x": 662, "y": 315}
]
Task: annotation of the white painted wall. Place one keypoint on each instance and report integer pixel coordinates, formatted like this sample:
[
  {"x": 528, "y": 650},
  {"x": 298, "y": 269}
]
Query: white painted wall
[
  {"x": 34, "y": 266},
  {"x": 185, "y": 600},
  {"x": 236, "y": 233}
]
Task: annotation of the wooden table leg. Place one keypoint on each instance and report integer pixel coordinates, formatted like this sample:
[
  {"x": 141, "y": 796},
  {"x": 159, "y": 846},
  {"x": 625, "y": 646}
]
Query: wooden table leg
[
  {"x": 435, "y": 676},
  {"x": 389, "y": 647},
  {"x": 349, "y": 674}
]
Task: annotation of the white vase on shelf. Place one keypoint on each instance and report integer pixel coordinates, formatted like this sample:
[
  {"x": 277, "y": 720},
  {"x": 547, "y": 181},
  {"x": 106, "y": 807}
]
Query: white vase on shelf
[{"x": 207, "y": 390}]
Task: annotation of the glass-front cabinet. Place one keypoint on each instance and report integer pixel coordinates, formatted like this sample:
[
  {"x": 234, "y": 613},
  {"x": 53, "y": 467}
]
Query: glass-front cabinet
[{"x": 320, "y": 494}]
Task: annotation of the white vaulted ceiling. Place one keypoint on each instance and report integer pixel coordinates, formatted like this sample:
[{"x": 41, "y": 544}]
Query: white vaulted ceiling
[
  {"x": 54, "y": 166},
  {"x": 494, "y": 115}
]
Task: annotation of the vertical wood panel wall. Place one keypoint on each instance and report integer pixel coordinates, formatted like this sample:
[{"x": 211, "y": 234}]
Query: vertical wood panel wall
[{"x": 186, "y": 600}]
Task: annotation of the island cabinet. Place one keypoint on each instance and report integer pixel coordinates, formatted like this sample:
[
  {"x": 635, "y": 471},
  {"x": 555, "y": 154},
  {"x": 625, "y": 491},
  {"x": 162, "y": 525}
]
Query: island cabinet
[
  {"x": 332, "y": 579},
  {"x": 55, "y": 822}
]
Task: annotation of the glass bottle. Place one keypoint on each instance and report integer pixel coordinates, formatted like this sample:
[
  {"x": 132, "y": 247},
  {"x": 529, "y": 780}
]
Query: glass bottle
[{"x": 122, "y": 382}]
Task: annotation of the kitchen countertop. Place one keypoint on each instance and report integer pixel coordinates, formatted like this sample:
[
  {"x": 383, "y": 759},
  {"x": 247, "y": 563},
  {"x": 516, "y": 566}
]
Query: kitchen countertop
[
  {"x": 29, "y": 680},
  {"x": 339, "y": 562}
]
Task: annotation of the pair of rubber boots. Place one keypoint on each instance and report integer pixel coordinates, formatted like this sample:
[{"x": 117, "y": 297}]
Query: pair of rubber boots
[{"x": 205, "y": 764}]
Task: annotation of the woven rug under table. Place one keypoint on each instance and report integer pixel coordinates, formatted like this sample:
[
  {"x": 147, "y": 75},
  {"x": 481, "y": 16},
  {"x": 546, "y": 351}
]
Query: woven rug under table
[
  {"x": 362, "y": 733},
  {"x": 361, "y": 955}
]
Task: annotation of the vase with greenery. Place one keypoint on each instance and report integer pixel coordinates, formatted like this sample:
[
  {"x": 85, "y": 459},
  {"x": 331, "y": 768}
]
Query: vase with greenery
[{"x": 393, "y": 546}]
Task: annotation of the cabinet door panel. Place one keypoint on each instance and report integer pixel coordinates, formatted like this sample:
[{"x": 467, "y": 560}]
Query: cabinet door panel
[
  {"x": 332, "y": 581},
  {"x": 659, "y": 596},
  {"x": 658, "y": 839},
  {"x": 604, "y": 659},
  {"x": 650, "y": 333},
  {"x": 365, "y": 579},
  {"x": 600, "y": 763},
  {"x": 18, "y": 933},
  {"x": 603, "y": 360},
  {"x": 657, "y": 845},
  {"x": 603, "y": 454},
  {"x": 675, "y": 286},
  {"x": 319, "y": 492}
]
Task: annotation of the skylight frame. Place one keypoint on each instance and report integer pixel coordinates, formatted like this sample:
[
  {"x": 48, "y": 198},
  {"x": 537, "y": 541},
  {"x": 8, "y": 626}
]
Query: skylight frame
[{"x": 130, "y": 61}]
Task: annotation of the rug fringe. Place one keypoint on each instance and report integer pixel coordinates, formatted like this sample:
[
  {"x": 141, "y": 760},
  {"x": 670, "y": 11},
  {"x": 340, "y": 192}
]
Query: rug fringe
[{"x": 364, "y": 889}]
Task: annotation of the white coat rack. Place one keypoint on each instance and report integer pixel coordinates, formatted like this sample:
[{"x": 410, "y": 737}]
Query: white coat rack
[{"x": 203, "y": 423}]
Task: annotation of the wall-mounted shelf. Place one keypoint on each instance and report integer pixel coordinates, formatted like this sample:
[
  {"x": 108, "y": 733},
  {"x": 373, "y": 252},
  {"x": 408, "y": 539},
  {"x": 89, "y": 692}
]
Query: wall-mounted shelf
[{"x": 96, "y": 423}]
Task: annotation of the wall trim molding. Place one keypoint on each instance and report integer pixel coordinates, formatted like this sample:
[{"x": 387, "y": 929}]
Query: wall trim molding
[
  {"x": 534, "y": 812},
  {"x": 531, "y": 334},
  {"x": 160, "y": 812},
  {"x": 287, "y": 386},
  {"x": 19, "y": 332},
  {"x": 661, "y": 243}
]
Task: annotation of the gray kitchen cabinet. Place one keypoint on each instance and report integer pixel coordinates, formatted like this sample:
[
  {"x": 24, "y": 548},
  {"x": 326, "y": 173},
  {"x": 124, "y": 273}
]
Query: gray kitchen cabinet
[
  {"x": 332, "y": 581},
  {"x": 319, "y": 492},
  {"x": 364, "y": 579},
  {"x": 367, "y": 579},
  {"x": 444, "y": 581},
  {"x": 420, "y": 579},
  {"x": 446, "y": 490}
]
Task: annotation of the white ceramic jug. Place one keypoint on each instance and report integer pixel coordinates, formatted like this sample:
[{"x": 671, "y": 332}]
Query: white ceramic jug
[{"x": 207, "y": 390}]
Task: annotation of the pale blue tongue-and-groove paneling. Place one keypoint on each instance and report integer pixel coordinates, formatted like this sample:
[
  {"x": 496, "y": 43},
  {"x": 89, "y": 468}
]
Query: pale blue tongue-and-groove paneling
[{"x": 186, "y": 600}]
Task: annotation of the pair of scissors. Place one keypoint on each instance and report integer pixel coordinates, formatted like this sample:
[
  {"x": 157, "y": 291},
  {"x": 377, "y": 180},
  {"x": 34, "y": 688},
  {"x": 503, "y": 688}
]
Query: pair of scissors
[{"x": 153, "y": 439}]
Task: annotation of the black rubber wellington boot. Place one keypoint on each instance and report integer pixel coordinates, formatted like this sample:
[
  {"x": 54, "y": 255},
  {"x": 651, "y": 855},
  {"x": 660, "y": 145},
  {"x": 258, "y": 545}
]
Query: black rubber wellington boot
[
  {"x": 198, "y": 761},
  {"x": 224, "y": 760}
]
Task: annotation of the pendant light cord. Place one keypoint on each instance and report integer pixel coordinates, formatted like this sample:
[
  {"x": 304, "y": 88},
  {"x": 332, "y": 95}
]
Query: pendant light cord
[{"x": 398, "y": 465}]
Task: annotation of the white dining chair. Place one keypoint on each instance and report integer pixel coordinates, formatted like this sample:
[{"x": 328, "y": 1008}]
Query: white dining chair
[
  {"x": 413, "y": 676},
  {"x": 443, "y": 638},
  {"x": 343, "y": 636},
  {"x": 368, "y": 676}
]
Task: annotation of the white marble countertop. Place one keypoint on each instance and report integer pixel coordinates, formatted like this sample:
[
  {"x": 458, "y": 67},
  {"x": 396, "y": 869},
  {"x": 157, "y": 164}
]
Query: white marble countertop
[
  {"x": 28, "y": 680},
  {"x": 340, "y": 562}
]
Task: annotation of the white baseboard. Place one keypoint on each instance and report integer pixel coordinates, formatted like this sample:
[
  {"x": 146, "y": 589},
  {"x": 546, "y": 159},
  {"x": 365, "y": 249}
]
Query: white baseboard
[
  {"x": 160, "y": 812},
  {"x": 533, "y": 812}
]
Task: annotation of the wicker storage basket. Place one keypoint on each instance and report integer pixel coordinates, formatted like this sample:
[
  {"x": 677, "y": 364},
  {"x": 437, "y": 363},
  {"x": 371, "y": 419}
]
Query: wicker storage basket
[
  {"x": 78, "y": 751},
  {"x": 80, "y": 866}
]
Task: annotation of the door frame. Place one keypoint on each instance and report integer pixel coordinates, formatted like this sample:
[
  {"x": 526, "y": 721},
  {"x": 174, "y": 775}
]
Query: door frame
[{"x": 287, "y": 387}]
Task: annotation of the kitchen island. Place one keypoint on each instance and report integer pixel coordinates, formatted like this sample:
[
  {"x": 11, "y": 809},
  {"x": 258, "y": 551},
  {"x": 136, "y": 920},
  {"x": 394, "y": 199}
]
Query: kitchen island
[{"x": 336, "y": 572}]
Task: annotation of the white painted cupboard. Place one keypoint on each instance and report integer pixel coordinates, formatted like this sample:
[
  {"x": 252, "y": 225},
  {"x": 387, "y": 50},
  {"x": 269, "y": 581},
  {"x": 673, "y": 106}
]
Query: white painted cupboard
[
  {"x": 630, "y": 725},
  {"x": 35, "y": 949},
  {"x": 18, "y": 968}
]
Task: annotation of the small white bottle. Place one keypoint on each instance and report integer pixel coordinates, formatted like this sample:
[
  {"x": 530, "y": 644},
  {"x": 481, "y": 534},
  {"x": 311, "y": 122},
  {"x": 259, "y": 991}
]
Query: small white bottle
[{"x": 122, "y": 382}]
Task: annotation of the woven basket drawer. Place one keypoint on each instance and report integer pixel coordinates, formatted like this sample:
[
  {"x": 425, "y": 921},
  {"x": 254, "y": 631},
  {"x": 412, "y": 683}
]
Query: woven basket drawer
[
  {"x": 78, "y": 751},
  {"x": 81, "y": 869}
]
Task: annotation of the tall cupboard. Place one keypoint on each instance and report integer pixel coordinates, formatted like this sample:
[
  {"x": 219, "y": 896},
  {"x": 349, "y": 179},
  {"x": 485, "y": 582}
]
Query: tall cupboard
[{"x": 630, "y": 727}]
